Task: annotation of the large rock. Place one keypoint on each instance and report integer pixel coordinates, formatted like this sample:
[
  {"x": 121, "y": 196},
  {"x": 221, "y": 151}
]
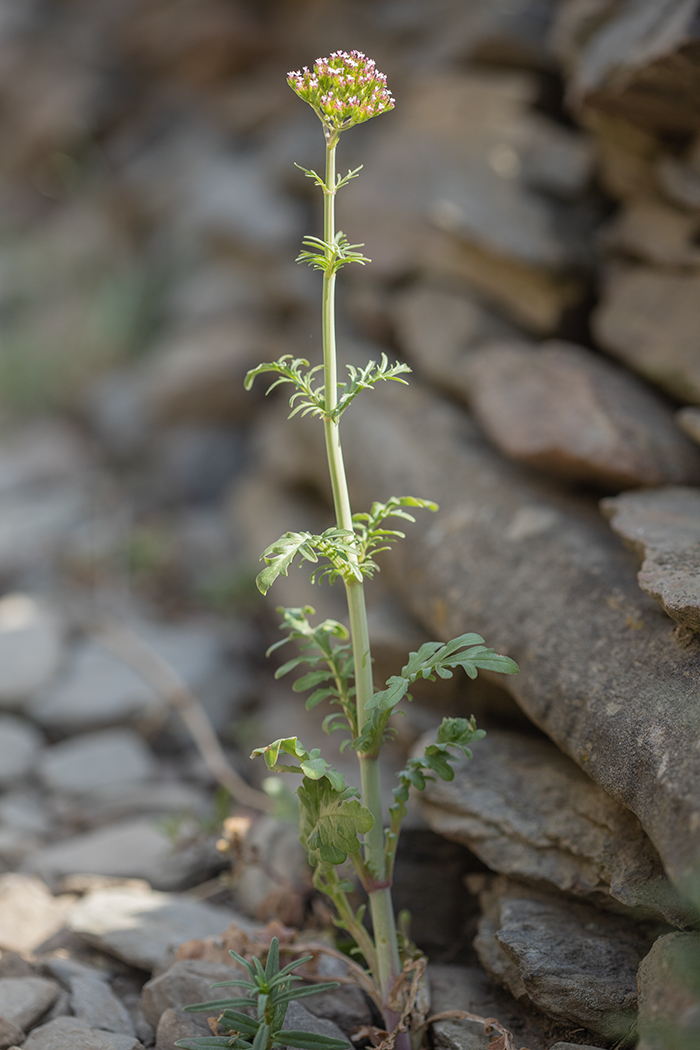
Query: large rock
[
  {"x": 185, "y": 982},
  {"x": 669, "y": 1004},
  {"x": 663, "y": 528},
  {"x": 140, "y": 926},
  {"x": 541, "y": 577},
  {"x": 648, "y": 318},
  {"x": 565, "y": 410},
  {"x": 528, "y": 811},
  {"x": 93, "y": 1001},
  {"x": 573, "y": 962},
  {"x": 639, "y": 59}
]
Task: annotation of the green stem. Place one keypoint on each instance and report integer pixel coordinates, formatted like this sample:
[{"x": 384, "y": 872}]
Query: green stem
[{"x": 388, "y": 964}]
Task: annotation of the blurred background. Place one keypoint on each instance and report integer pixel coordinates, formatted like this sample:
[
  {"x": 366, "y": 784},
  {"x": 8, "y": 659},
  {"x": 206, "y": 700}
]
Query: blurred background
[{"x": 532, "y": 210}]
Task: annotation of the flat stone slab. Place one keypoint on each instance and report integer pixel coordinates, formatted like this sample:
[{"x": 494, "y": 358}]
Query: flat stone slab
[
  {"x": 29, "y": 913},
  {"x": 575, "y": 963},
  {"x": 568, "y": 411},
  {"x": 20, "y": 743},
  {"x": 528, "y": 811},
  {"x": 97, "y": 762},
  {"x": 24, "y": 999},
  {"x": 130, "y": 849},
  {"x": 541, "y": 577},
  {"x": 663, "y": 528},
  {"x": 31, "y": 647},
  {"x": 93, "y": 1001},
  {"x": 140, "y": 927},
  {"x": 648, "y": 318},
  {"x": 70, "y": 1033}
]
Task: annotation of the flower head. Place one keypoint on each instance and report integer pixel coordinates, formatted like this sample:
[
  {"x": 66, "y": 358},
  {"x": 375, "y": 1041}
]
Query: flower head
[{"x": 344, "y": 89}]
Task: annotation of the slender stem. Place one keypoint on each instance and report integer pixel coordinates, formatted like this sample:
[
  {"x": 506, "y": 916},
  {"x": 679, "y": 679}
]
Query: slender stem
[{"x": 388, "y": 964}]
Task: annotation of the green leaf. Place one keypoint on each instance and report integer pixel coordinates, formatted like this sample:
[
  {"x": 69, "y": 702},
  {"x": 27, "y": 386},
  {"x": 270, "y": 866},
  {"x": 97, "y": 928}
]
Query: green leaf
[
  {"x": 397, "y": 687},
  {"x": 331, "y": 820},
  {"x": 202, "y": 1042},
  {"x": 310, "y": 680},
  {"x": 280, "y": 555},
  {"x": 309, "y": 1041}
]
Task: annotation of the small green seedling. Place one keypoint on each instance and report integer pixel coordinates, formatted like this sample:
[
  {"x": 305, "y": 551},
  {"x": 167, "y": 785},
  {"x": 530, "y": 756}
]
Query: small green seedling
[{"x": 256, "y": 1021}]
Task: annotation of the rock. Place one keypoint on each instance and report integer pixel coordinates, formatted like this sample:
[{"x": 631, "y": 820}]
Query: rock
[
  {"x": 468, "y": 988},
  {"x": 116, "y": 409},
  {"x": 299, "y": 1019},
  {"x": 468, "y": 179},
  {"x": 24, "y": 999},
  {"x": 196, "y": 463},
  {"x": 140, "y": 927},
  {"x": 652, "y": 231},
  {"x": 688, "y": 419},
  {"x": 528, "y": 811},
  {"x": 99, "y": 688},
  {"x": 647, "y": 318},
  {"x": 573, "y": 962},
  {"x": 29, "y": 914},
  {"x": 186, "y": 982},
  {"x": 34, "y": 524},
  {"x": 663, "y": 528},
  {"x": 638, "y": 60},
  {"x": 282, "y": 865},
  {"x": 566, "y": 411},
  {"x": 174, "y": 1024},
  {"x": 347, "y": 1006},
  {"x": 574, "y": 1046},
  {"x": 31, "y": 647},
  {"x": 97, "y": 763},
  {"x": 93, "y": 1001},
  {"x": 10, "y": 1034},
  {"x": 198, "y": 378},
  {"x": 136, "y": 848},
  {"x": 510, "y": 556},
  {"x": 20, "y": 743},
  {"x": 669, "y": 1005},
  {"x": 44, "y": 451},
  {"x": 70, "y": 1033},
  {"x": 436, "y": 330}
]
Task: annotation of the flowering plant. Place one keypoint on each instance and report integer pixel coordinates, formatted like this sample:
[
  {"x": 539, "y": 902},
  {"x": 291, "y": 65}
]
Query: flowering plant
[{"x": 339, "y": 823}]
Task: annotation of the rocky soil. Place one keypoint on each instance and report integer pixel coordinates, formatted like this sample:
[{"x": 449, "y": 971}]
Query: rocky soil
[{"x": 532, "y": 210}]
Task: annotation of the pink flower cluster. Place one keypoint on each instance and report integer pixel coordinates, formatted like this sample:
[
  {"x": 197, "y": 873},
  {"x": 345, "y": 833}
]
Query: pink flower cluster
[{"x": 344, "y": 89}]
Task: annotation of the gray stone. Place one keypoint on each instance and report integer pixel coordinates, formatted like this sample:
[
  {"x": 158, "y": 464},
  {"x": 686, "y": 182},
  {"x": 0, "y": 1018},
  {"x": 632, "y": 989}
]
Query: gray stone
[
  {"x": 34, "y": 525},
  {"x": 19, "y": 749},
  {"x": 174, "y": 1024},
  {"x": 663, "y": 528},
  {"x": 41, "y": 452},
  {"x": 573, "y": 962},
  {"x": 185, "y": 982},
  {"x": 97, "y": 763},
  {"x": 198, "y": 376},
  {"x": 135, "y": 848},
  {"x": 98, "y": 688},
  {"x": 70, "y": 1033},
  {"x": 346, "y": 1006},
  {"x": 528, "y": 811},
  {"x": 29, "y": 914},
  {"x": 24, "y": 810},
  {"x": 635, "y": 59},
  {"x": 652, "y": 231},
  {"x": 436, "y": 328},
  {"x": 31, "y": 647},
  {"x": 299, "y": 1019},
  {"x": 688, "y": 419},
  {"x": 10, "y": 1034},
  {"x": 468, "y": 988},
  {"x": 669, "y": 1004},
  {"x": 510, "y": 557},
  {"x": 24, "y": 999},
  {"x": 141, "y": 927},
  {"x": 648, "y": 318},
  {"x": 565, "y": 410},
  {"x": 94, "y": 1002},
  {"x": 574, "y": 1046}
]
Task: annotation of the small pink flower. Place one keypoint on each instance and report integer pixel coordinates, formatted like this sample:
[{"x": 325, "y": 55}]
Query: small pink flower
[{"x": 344, "y": 89}]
